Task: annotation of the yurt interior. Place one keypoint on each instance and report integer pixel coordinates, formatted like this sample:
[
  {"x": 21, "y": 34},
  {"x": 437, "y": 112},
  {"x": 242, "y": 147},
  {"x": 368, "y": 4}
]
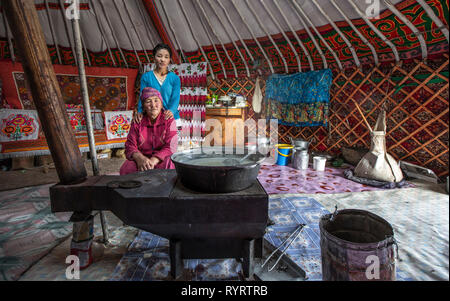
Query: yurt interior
[{"x": 280, "y": 141}]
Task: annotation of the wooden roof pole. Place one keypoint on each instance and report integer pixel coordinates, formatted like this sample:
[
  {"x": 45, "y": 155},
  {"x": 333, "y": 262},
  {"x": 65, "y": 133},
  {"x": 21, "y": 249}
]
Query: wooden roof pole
[
  {"x": 377, "y": 32},
  {"x": 138, "y": 59},
  {"x": 66, "y": 27},
  {"x": 311, "y": 36},
  {"x": 111, "y": 29},
  {"x": 29, "y": 37},
  {"x": 231, "y": 39},
  {"x": 183, "y": 56},
  {"x": 441, "y": 26},
  {"x": 217, "y": 37},
  {"x": 8, "y": 38},
  {"x": 336, "y": 28},
  {"x": 260, "y": 23},
  {"x": 358, "y": 32},
  {"x": 191, "y": 29},
  {"x": 251, "y": 32},
  {"x": 416, "y": 32},
  {"x": 159, "y": 26},
  {"x": 308, "y": 20},
  {"x": 299, "y": 42},
  {"x": 102, "y": 32},
  {"x": 212, "y": 43},
  {"x": 52, "y": 30},
  {"x": 274, "y": 20},
  {"x": 136, "y": 31}
]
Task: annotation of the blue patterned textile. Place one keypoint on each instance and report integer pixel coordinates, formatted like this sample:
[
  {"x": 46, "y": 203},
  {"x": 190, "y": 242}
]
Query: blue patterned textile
[{"x": 300, "y": 99}]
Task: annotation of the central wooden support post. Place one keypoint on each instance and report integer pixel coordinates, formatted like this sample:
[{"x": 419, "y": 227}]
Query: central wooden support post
[{"x": 29, "y": 38}]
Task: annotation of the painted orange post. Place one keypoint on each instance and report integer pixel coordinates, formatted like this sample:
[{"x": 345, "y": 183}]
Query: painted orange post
[{"x": 159, "y": 26}]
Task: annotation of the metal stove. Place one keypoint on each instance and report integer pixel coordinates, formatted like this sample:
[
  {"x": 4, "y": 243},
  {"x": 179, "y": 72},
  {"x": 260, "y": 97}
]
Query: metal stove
[{"x": 198, "y": 225}]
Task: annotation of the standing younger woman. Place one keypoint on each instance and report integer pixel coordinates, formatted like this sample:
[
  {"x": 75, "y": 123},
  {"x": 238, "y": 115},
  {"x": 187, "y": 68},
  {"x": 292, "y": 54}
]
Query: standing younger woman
[{"x": 167, "y": 83}]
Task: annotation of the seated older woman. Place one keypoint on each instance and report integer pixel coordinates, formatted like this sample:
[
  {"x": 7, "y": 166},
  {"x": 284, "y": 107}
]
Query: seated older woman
[{"x": 151, "y": 142}]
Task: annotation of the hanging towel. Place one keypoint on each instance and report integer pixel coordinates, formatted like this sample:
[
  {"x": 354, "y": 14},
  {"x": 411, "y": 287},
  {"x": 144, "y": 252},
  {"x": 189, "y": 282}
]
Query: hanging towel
[{"x": 257, "y": 98}]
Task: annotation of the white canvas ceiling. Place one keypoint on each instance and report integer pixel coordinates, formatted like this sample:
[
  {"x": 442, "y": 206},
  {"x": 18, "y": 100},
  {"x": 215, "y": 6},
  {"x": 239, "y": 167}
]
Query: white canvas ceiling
[{"x": 190, "y": 24}]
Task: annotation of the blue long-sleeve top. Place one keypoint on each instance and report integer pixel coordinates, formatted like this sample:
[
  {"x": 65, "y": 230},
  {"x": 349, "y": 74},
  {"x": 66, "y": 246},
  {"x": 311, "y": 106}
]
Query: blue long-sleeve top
[{"x": 170, "y": 91}]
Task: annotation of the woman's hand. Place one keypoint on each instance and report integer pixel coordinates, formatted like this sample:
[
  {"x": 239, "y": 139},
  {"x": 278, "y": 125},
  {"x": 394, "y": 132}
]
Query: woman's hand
[
  {"x": 137, "y": 118},
  {"x": 155, "y": 161},
  {"x": 143, "y": 163},
  {"x": 168, "y": 114}
]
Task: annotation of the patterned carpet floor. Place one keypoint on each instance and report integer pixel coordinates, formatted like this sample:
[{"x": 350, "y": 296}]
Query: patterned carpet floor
[
  {"x": 148, "y": 259},
  {"x": 420, "y": 218},
  {"x": 31, "y": 236},
  {"x": 28, "y": 229},
  {"x": 34, "y": 242},
  {"x": 278, "y": 179}
]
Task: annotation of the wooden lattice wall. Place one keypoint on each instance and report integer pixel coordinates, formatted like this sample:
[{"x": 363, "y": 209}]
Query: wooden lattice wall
[{"x": 414, "y": 95}]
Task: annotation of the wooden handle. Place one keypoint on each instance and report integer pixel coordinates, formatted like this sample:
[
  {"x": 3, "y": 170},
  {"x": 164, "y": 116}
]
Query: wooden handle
[{"x": 362, "y": 115}]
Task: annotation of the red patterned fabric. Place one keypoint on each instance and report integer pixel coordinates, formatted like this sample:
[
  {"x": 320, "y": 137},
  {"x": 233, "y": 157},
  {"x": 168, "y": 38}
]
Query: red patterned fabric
[
  {"x": 193, "y": 78},
  {"x": 110, "y": 89}
]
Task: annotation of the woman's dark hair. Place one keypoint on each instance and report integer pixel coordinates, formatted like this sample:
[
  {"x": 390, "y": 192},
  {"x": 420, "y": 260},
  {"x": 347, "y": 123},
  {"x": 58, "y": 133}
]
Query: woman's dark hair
[{"x": 162, "y": 46}]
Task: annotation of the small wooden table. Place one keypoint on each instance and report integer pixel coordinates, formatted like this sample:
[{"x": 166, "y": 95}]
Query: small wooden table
[{"x": 228, "y": 117}]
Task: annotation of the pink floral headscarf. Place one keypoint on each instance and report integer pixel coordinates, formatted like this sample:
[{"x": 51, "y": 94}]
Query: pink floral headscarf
[{"x": 149, "y": 92}]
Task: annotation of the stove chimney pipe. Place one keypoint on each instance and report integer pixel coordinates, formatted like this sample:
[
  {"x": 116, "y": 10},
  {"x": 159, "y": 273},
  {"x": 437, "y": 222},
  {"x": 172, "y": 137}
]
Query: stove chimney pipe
[{"x": 29, "y": 38}]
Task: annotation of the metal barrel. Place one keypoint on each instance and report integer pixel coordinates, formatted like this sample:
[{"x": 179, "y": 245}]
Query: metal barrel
[{"x": 356, "y": 245}]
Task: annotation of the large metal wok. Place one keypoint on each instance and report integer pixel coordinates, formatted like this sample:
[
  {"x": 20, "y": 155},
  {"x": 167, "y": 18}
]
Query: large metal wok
[{"x": 217, "y": 170}]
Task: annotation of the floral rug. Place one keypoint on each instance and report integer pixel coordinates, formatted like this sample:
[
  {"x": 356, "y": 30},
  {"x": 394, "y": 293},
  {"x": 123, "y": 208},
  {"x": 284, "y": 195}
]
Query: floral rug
[{"x": 278, "y": 179}]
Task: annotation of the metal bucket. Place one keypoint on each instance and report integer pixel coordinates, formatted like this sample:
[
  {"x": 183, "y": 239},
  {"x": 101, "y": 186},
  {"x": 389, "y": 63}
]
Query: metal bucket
[
  {"x": 356, "y": 245},
  {"x": 299, "y": 143},
  {"x": 300, "y": 158}
]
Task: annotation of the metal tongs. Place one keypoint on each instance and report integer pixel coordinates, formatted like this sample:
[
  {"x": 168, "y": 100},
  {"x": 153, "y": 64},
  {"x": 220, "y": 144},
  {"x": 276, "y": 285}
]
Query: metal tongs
[{"x": 297, "y": 232}]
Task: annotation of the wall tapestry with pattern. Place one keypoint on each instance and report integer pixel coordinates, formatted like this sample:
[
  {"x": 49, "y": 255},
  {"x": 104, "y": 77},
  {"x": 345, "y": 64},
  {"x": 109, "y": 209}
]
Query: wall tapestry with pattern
[
  {"x": 192, "y": 99},
  {"x": 300, "y": 99},
  {"x": 110, "y": 89},
  {"x": 18, "y": 125},
  {"x": 78, "y": 120},
  {"x": 118, "y": 124},
  {"x": 105, "y": 93}
]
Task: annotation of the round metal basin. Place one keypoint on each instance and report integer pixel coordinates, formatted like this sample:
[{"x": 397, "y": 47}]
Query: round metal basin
[{"x": 215, "y": 170}]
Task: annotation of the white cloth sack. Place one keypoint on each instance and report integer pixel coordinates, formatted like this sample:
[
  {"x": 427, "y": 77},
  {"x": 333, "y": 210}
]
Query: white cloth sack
[
  {"x": 377, "y": 164},
  {"x": 257, "y": 98}
]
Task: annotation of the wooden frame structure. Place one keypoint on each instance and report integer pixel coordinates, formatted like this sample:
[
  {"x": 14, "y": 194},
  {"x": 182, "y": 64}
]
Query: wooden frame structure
[{"x": 415, "y": 96}]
